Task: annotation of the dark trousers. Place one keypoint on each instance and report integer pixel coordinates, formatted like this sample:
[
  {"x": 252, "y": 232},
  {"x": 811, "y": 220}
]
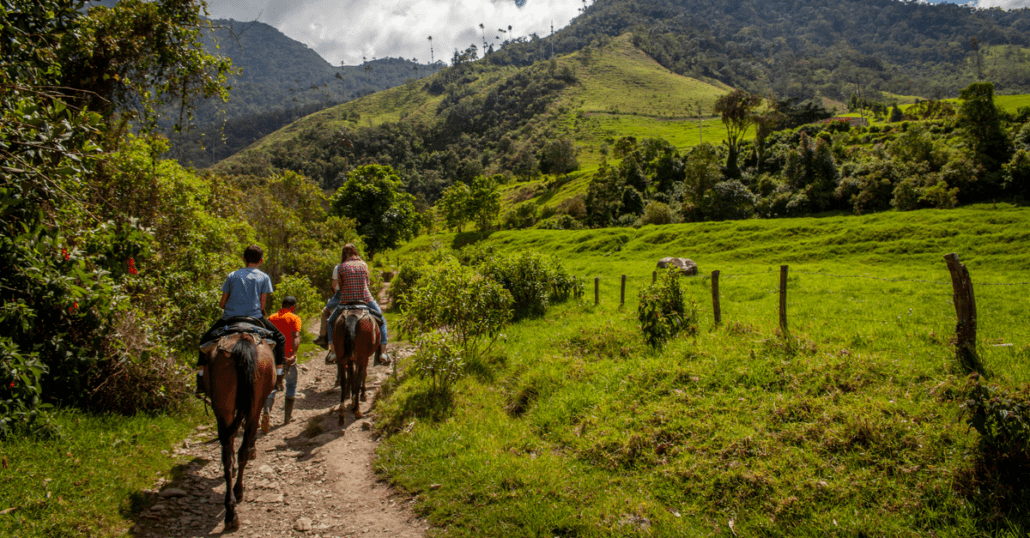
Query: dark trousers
[{"x": 280, "y": 340}]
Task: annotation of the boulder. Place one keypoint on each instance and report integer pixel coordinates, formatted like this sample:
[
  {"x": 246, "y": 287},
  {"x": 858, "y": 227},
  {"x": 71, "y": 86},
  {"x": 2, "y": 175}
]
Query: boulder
[{"x": 686, "y": 267}]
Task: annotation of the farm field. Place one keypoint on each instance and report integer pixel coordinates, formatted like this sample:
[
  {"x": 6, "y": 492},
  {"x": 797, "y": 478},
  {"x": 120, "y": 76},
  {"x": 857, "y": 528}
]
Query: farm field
[{"x": 849, "y": 426}]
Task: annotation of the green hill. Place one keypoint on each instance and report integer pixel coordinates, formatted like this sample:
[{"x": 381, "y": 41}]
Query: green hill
[{"x": 851, "y": 426}]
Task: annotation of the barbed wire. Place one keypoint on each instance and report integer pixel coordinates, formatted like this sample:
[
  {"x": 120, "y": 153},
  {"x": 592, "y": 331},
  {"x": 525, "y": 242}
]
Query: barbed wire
[{"x": 835, "y": 275}]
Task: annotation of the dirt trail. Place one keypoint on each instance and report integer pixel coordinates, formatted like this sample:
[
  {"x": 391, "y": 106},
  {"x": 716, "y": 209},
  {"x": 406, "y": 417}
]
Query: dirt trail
[{"x": 311, "y": 478}]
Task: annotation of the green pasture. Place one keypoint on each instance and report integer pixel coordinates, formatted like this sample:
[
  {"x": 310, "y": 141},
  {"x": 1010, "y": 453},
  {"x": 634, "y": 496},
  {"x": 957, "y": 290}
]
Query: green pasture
[{"x": 848, "y": 425}]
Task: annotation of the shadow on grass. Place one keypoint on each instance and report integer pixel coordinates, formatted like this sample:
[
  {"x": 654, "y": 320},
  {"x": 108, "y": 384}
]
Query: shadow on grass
[
  {"x": 433, "y": 404},
  {"x": 462, "y": 239}
]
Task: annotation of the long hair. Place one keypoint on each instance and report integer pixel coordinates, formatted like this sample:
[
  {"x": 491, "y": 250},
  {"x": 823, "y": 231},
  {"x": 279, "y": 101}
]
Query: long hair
[
  {"x": 349, "y": 251},
  {"x": 245, "y": 353}
]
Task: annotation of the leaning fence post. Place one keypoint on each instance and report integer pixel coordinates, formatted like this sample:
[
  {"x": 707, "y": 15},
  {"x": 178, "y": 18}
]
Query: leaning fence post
[
  {"x": 715, "y": 297},
  {"x": 965, "y": 311},
  {"x": 597, "y": 285},
  {"x": 783, "y": 299},
  {"x": 622, "y": 294}
]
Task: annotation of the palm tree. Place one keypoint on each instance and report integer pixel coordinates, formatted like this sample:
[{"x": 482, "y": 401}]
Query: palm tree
[
  {"x": 481, "y": 27},
  {"x": 431, "y": 50}
]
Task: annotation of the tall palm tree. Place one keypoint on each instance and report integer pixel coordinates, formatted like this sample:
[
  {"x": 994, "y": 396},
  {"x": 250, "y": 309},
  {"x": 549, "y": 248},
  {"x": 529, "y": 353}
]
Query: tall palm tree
[{"x": 431, "y": 50}]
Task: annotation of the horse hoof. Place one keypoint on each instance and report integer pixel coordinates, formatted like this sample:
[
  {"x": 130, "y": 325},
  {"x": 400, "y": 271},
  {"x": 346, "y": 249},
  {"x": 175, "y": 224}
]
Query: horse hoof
[
  {"x": 232, "y": 525},
  {"x": 362, "y": 397},
  {"x": 342, "y": 421},
  {"x": 357, "y": 413}
]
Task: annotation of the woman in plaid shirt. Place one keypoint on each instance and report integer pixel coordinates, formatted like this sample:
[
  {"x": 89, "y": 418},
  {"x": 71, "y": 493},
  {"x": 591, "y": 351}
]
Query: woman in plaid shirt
[{"x": 350, "y": 282}]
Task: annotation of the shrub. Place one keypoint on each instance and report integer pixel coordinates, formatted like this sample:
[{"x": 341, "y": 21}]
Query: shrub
[
  {"x": 662, "y": 311},
  {"x": 658, "y": 213},
  {"x": 533, "y": 280},
  {"x": 456, "y": 298},
  {"x": 437, "y": 357}
]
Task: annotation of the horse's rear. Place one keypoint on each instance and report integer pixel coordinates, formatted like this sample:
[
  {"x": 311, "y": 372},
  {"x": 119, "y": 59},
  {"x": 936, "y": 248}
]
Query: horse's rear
[
  {"x": 241, "y": 374},
  {"x": 353, "y": 353}
]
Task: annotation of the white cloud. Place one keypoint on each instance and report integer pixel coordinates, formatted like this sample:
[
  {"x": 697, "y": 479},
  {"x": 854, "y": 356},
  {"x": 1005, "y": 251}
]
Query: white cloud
[
  {"x": 1006, "y": 4},
  {"x": 348, "y": 30}
]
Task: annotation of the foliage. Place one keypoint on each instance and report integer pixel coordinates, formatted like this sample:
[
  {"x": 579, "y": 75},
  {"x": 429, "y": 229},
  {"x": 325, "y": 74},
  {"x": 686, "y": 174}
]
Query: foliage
[
  {"x": 309, "y": 300},
  {"x": 456, "y": 298},
  {"x": 663, "y": 313},
  {"x": 979, "y": 117},
  {"x": 370, "y": 196},
  {"x": 558, "y": 157},
  {"x": 438, "y": 357},
  {"x": 453, "y": 206},
  {"x": 658, "y": 213},
  {"x": 533, "y": 279}
]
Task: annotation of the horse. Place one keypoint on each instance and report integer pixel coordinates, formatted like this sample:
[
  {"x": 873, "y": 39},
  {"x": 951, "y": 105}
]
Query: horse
[
  {"x": 352, "y": 362},
  {"x": 240, "y": 373}
]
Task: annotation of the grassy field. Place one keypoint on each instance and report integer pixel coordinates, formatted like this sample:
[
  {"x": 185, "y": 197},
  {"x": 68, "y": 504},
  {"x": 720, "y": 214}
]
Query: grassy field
[{"x": 848, "y": 427}]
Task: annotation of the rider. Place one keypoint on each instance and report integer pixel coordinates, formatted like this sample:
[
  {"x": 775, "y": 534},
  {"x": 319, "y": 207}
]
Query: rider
[
  {"x": 243, "y": 294},
  {"x": 350, "y": 284}
]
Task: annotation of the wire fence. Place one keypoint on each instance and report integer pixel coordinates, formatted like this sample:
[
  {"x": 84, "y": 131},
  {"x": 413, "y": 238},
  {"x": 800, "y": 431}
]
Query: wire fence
[{"x": 921, "y": 302}]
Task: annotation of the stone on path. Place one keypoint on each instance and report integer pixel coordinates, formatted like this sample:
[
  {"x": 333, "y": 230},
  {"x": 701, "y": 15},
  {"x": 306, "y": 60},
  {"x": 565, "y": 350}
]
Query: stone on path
[
  {"x": 172, "y": 492},
  {"x": 303, "y": 524}
]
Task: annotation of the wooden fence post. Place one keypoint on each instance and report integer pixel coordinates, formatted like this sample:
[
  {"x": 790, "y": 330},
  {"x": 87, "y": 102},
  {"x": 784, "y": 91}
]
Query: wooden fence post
[
  {"x": 622, "y": 294},
  {"x": 597, "y": 285},
  {"x": 654, "y": 276},
  {"x": 783, "y": 299},
  {"x": 715, "y": 298},
  {"x": 965, "y": 311}
]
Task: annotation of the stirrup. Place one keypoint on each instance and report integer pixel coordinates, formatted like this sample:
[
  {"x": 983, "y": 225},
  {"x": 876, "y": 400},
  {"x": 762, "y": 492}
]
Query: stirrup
[{"x": 330, "y": 358}]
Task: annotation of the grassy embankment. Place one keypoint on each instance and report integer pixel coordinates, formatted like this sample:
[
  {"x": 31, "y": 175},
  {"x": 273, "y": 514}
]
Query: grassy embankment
[
  {"x": 850, "y": 427},
  {"x": 95, "y": 476}
]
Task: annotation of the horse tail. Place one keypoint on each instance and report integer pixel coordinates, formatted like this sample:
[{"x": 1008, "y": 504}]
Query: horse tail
[{"x": 245, "y": 353}]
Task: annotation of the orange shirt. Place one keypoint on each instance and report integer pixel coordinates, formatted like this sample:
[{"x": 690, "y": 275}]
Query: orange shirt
[{"x": 288, "y": 323}]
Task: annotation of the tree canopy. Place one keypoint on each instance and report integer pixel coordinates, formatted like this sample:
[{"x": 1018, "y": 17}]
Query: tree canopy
[{"x": 384, "y": 215}]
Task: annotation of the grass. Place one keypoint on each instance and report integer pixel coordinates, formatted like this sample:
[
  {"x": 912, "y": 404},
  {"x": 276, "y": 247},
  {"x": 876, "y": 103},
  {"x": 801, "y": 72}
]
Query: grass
[
  {"x": 94, "y": 478},
  {"x": 848, "y": 426}
]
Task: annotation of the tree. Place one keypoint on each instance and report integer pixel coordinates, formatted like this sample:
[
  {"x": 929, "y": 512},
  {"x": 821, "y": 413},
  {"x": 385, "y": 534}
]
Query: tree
[
  {"x": 559, "y": 157},
  {"x": 980, "y": 119},
  {"x": 738, "y": 115},
  {"x": 370, "y": 196},
  {"x": 453, "y": 206},
  {"x": 701, "y": 173},
  {"x": 484, "y": 200}
]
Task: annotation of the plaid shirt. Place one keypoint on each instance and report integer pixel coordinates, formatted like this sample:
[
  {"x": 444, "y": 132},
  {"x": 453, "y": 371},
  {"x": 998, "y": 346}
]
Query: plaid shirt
[{"x": 353, "y": 278}]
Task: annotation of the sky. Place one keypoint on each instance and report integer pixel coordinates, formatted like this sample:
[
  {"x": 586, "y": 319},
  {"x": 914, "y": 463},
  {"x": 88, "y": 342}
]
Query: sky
[
  {"x": 348, "y": 30},
  {"x": 351, "y": 30}
]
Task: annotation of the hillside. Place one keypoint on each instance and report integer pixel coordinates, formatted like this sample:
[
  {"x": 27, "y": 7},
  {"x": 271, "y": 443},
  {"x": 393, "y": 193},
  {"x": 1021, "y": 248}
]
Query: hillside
[
  {"x": 479, "y": 118},
  {"x": 280, "y": 81}
]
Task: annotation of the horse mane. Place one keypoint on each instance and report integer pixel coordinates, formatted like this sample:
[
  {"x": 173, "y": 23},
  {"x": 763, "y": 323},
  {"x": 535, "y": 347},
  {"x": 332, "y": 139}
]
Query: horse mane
[{"x": 245, "y": 353}]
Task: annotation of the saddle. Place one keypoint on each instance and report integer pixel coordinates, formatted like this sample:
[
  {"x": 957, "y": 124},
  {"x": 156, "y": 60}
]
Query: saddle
[
  {"x": 238, "y": 325},
  {"x": 351, "y": 322}
]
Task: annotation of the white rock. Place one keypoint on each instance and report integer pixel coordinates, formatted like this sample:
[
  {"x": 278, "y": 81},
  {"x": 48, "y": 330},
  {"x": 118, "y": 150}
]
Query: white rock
[
  {"x": 269, "y": 498},
  {"x": 303, "y": 524},
  {"x": 266, "y": 469}
]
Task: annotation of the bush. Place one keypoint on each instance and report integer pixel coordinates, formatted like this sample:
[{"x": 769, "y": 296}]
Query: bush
[
  {"x": 457, "y": 299},
  {"x": 657, "y": 213},
  {"x": 533, "y": 280},
  {"x": 437, "y": 357},
  {"x": 662, "y": 311}
]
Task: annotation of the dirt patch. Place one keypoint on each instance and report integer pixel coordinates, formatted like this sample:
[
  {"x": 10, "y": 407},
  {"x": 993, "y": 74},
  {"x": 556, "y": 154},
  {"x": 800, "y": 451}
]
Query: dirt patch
[{"x": 311, "y": 477}]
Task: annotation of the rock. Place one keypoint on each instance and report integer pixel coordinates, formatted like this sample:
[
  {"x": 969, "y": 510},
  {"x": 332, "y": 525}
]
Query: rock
[
  {"x": 303, "y": 524},
  {"x": 366, "y": 425},
  {"x": 323, "y": 439},
  {"x": 269, "y": 498},
  {"x": 172, "y": 492},
  {"x": 686, "y": 267},
  {"x": 266, "y": 469}
]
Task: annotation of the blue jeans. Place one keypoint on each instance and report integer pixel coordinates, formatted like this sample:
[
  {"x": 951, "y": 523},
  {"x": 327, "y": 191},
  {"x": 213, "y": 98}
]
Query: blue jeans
[
  {"x": 334, "y": 301},
  {"x": 291, "y": 387}
]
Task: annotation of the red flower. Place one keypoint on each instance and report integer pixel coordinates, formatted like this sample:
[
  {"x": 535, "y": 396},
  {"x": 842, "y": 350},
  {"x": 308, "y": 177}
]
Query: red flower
[
  {"x": 12, "y": 384},
  {"x": 64, "y": 252},
  {"x": 132, "y": 267},
  {"x": 73, "y": 306}
]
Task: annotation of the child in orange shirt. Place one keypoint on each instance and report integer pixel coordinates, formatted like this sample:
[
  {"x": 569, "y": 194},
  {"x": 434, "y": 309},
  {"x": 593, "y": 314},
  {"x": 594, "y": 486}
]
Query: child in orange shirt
[{"x": 289, "y": 324}]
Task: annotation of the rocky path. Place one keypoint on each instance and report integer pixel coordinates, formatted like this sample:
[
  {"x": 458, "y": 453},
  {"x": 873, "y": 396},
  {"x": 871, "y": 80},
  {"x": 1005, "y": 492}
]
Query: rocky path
[{"x": 312, "y": 478}]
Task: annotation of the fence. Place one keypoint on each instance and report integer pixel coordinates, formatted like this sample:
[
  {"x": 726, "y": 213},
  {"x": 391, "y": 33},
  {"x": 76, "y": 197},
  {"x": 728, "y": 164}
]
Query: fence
[{"x": 961, "y": 296}]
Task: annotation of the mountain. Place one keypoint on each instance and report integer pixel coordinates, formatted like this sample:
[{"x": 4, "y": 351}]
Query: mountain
[{"x": 280, "y": 80}]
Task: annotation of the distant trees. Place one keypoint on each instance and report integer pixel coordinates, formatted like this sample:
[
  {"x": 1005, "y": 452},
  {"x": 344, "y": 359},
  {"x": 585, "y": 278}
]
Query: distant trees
[{"x": 478, "y": 201}]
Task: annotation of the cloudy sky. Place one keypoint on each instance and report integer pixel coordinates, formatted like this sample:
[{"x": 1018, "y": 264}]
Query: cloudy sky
[{"x": 347, "y": 30}]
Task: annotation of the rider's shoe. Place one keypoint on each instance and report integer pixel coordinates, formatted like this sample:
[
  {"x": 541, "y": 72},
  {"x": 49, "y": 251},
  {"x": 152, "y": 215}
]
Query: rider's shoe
[
  {"x": 322, "y": 341},
  {"x": 330, "y": 358}
]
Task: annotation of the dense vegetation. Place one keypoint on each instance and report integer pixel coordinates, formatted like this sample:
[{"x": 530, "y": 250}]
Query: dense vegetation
[{"x": 809, "y": 48}]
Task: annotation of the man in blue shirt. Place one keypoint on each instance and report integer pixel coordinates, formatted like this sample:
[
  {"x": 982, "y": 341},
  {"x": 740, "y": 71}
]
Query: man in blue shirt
[{"x": 244, "y": 294}]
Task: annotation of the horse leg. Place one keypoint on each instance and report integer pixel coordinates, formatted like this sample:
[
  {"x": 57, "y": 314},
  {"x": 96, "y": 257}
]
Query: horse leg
[
  {"x": 357, "y": 382},
  {"x": 227, "y": 437},
  {"x": 341, "y": 368},
  {"x": 247, "y": 451}
]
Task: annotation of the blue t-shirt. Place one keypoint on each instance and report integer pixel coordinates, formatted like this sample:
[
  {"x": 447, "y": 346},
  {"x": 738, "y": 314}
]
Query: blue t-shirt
[{"x": 245, "y": 287}]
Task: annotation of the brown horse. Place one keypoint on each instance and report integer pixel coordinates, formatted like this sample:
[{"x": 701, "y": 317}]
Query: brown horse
[
  {"x": 240, "y": 373},
  {"x": 353, "y": 353}
]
